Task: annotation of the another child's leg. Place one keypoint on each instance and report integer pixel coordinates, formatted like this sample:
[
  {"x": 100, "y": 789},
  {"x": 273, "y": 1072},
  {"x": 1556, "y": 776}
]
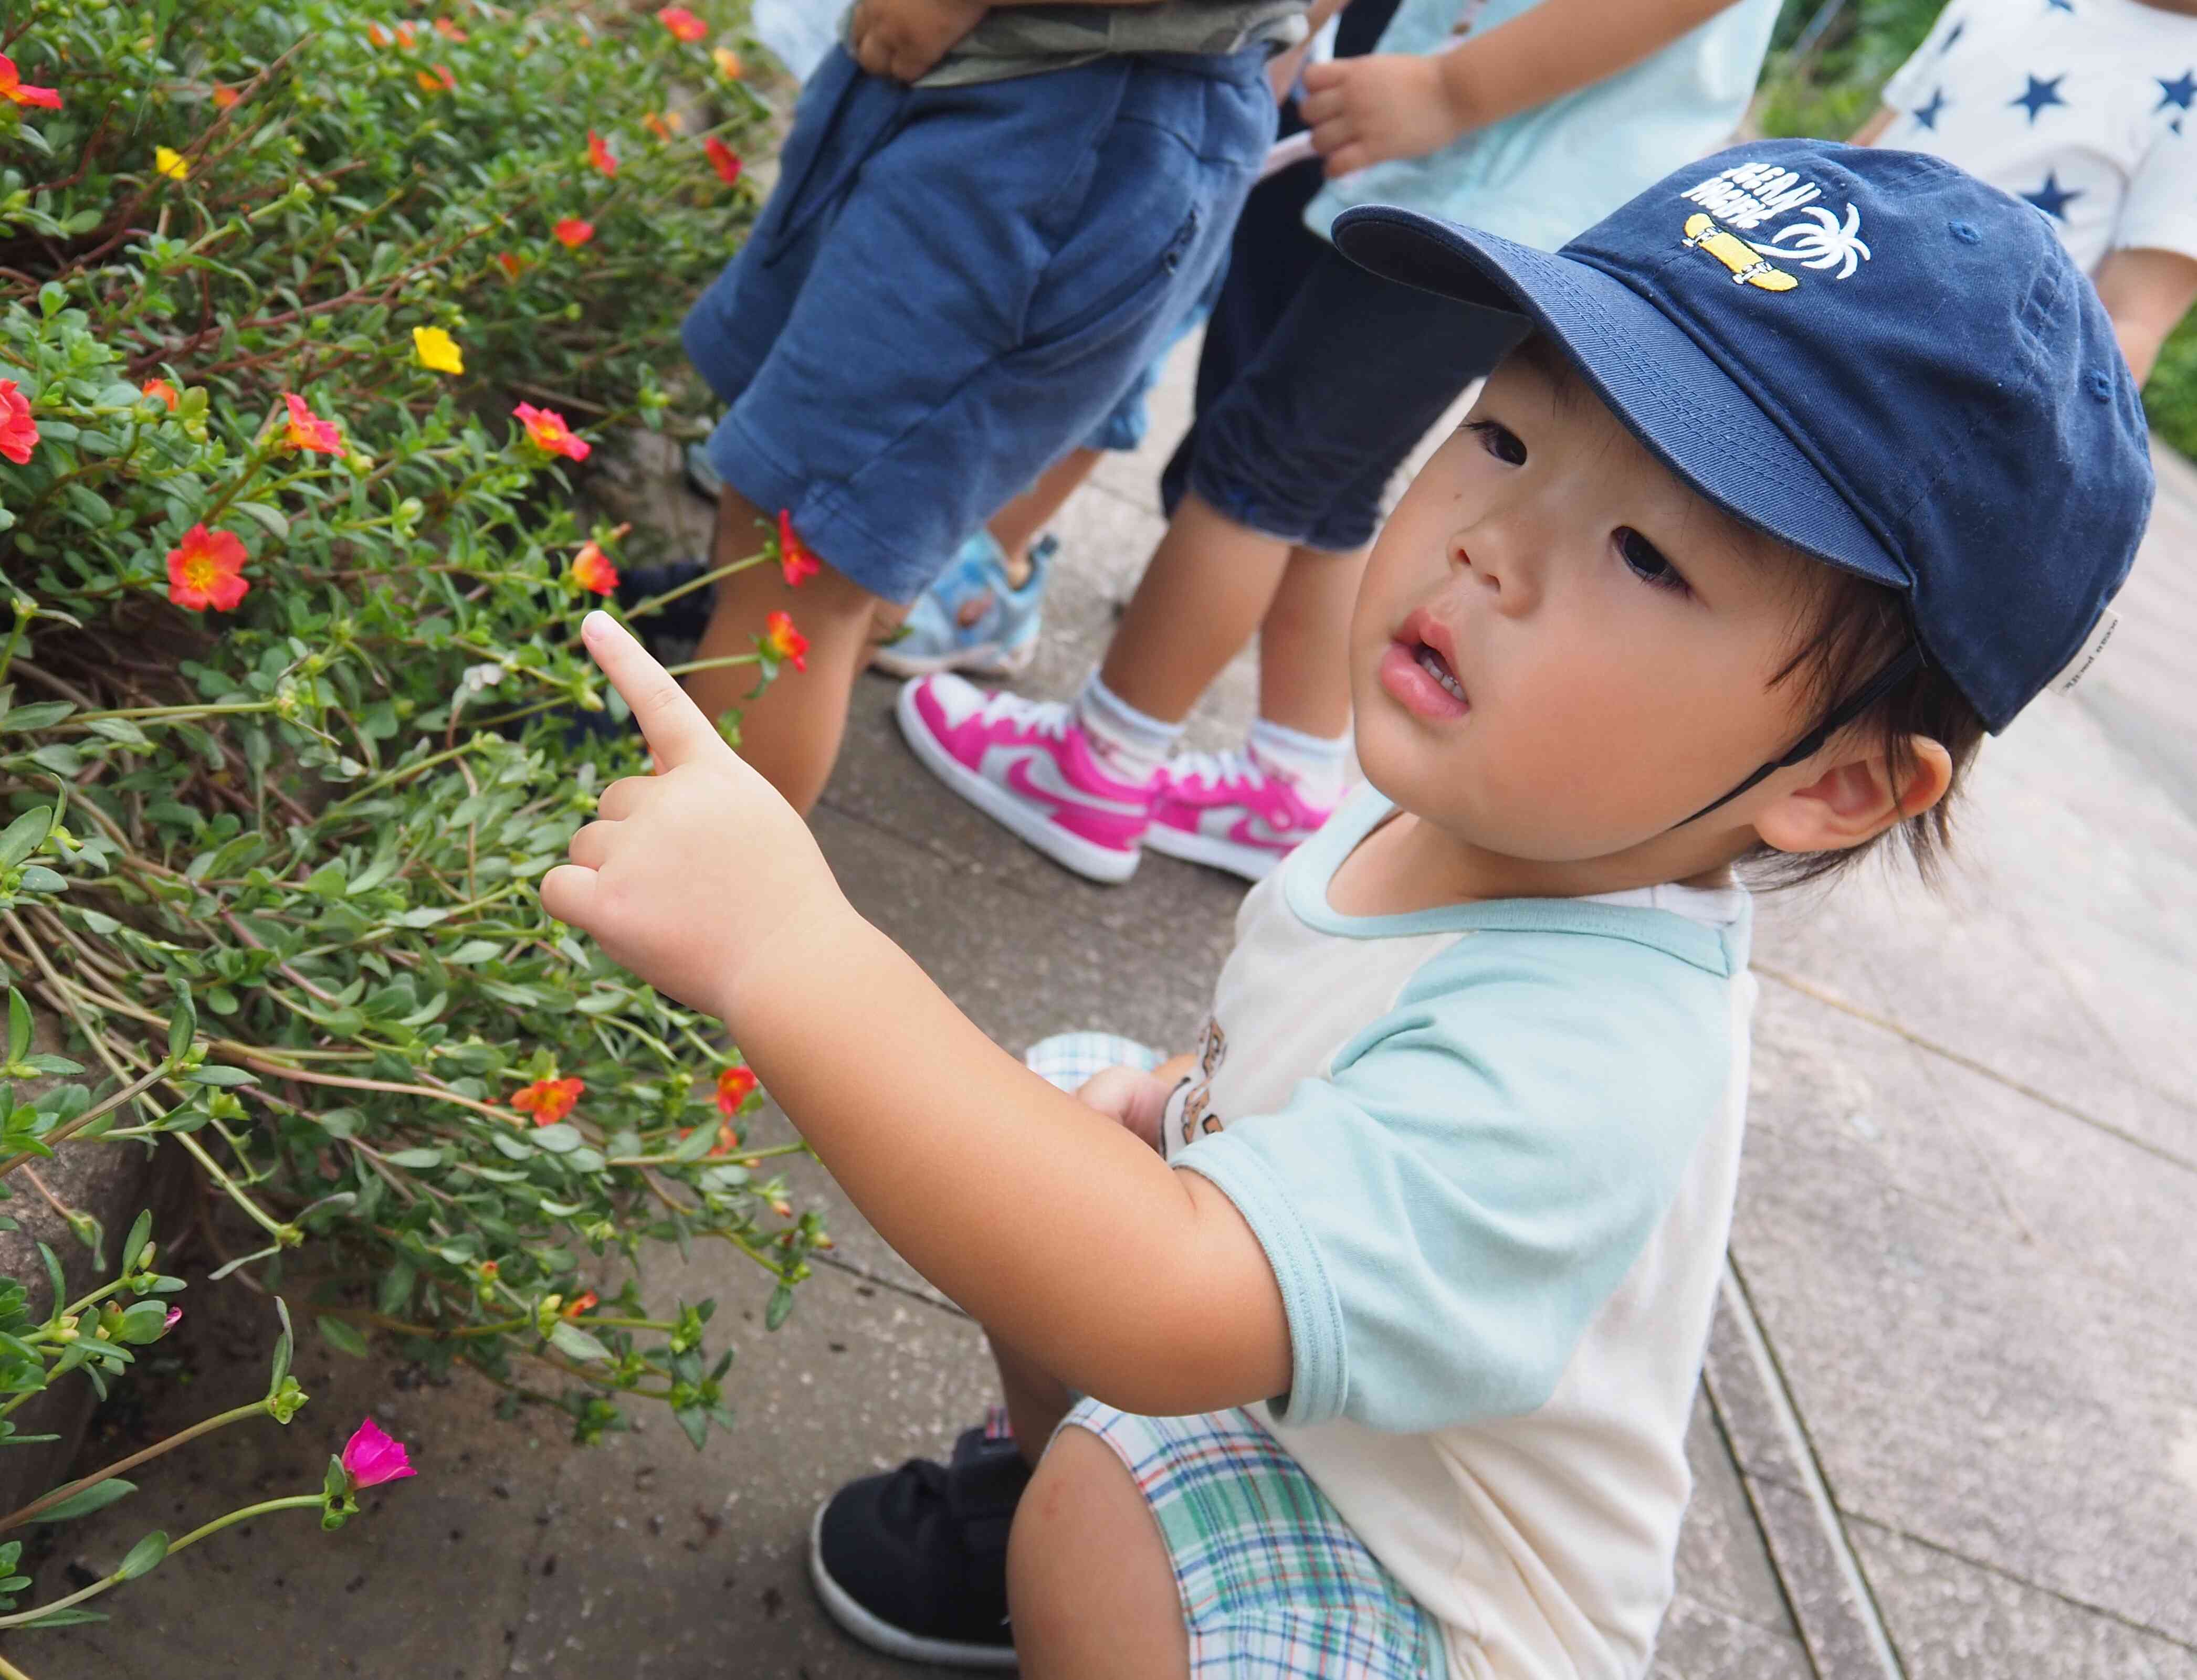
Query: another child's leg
[
  {"x": 1090, "y": 1586},
  {"x": 1036, "y": 1400},
  {"x": 1304, "y": 644},
  {"x": 791, "y": 732},
  {"x": 1016, "y": 526}
]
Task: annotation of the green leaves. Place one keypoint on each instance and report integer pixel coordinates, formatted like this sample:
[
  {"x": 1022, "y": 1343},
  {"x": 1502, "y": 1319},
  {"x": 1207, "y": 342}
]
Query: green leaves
[
  {"x": 96, "y": 1497},
  {"x": 142, "y": 1558}
]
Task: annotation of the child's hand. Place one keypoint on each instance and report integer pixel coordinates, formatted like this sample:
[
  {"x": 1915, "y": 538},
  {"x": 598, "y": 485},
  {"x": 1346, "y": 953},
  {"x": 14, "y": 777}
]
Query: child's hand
[
  {"x": 691, "y": 876},
  {"x": 903, "y": 39},
  {"x": 1137, "y": 1099},
  {"x": 1387, "y": 104}
]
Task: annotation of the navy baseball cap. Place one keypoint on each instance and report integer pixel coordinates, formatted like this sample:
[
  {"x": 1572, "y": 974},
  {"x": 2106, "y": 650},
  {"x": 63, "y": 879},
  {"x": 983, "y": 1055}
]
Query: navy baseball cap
[{"x": 1869, "y": 355}]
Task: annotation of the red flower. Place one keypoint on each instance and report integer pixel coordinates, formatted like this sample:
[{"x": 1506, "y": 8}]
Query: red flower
[
  {"x": 600, "y": 155},
  {"x": 795, "y": 559},
  {"x": 592, "y": 569},
  {"x": 448, "y": 30},
  {"x": 18, "y": 432},
  {"x": 207, "y": 570},
  {"x": 14, "y": 87},
  {"x": 682, "y": 23},
  {"x": 371, "y": 1457},
  {"x": 723, "y": 159},
  {"x": 734, "y": 1087},
  {"x": 548, "y": 1100},
  {"x": 582, "y": 1303},
  {"x": 546, "y": 430},
  {"x": 305, "y": 430},
  {"x": 572, "y": 233},
  {"x": 511, "y": 263},
  {"x": 224, "y": 97},
  {"x": 165, "y": 391},
  {"x": 783, "y": 642},
  {"x": 437, "y": 80}
]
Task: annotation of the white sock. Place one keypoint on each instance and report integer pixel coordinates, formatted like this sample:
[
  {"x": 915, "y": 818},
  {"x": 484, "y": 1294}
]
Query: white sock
[
  {"x": 1315, "y": 765},
  {"x": 1131, "y": 744}
]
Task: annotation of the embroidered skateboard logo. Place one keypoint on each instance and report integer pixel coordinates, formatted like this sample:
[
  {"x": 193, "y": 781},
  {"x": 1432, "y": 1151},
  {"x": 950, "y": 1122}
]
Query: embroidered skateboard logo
[{"x": 1747, "y": 195}]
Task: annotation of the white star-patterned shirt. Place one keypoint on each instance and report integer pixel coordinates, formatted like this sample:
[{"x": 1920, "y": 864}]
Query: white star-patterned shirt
[{"x": 2086, "y": 108}]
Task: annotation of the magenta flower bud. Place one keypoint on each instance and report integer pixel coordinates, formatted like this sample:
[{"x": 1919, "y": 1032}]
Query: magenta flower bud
[
  {"x": 175, "y": 1317},
  {"x": 371, "y": 1457}
]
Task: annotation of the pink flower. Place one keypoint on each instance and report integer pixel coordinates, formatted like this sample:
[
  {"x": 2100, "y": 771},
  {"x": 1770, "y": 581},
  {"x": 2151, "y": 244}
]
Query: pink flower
[
  {"x": 546, "y": 430},
  {"x": 13, "y": 88},
  {"x": 175, "y": 1317},
  {"x": 682, "y": 23},
  {"x": 371, "y": 1457},
  {"x": 304, "y": 430},
  {"x": 18, "y": 432}
]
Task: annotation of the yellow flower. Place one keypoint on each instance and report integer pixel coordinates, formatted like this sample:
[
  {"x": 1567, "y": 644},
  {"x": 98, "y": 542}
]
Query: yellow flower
[
  {"x": 169, "y": 163},
  {"x": 437, "y": 350},
  {"x": 728, "y": 62}
]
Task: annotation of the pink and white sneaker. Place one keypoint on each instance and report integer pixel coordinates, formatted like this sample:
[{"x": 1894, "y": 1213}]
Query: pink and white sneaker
[
  {"x": 1228, "y": 810},
  {"x": 1029, "y": 766}
]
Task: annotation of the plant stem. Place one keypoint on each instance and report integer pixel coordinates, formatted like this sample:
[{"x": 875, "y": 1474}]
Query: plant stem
[
  {"x": 205, "y": 1426},
  {"x": 295, "y": 1503}
]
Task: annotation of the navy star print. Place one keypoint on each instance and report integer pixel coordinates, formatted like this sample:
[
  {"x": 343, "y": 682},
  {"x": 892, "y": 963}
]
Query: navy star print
[
  {"x": 2060, "y": 6},
  {"x": 1926, "y": 116},
  {"x": 2039, "y": 94},
  {"x": 2052, "y": 198},
  {"x": 1952, "y": 36},
  {"x": 2179, "y": 92}
]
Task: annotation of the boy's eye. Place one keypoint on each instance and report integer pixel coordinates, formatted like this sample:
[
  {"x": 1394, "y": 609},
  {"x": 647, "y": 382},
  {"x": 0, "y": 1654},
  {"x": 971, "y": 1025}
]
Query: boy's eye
[
  {"x": 1499, "y": 441},
  {"x": 1646, "y": 560}
]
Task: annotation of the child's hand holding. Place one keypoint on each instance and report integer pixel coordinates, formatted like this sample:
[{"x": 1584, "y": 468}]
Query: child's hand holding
[
  {"x": 1134, "y": 1098},
  {"x": 1386, "y": 105},
  {"x": 904, "y": 39},
  {"x": 695, "y": 877}
]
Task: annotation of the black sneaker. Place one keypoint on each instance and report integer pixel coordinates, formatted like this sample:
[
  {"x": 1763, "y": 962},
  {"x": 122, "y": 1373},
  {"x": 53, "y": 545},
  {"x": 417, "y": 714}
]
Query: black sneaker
[{"x": 914, "y": 1563}]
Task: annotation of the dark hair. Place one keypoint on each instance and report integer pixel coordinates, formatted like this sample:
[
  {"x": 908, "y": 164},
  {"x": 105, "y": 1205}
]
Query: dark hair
[{"x": 1852, "y": 629}]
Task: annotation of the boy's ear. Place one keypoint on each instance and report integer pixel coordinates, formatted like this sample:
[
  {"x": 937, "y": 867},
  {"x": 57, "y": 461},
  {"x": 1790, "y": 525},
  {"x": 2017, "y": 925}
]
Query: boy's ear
[{"x": 1853, "y": 801}]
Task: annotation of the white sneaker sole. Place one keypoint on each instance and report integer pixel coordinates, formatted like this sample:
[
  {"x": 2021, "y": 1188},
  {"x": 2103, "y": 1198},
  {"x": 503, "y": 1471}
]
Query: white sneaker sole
[
  {"x": 1253, "y": 863},
  {"x": 882, "y": 1636},
  {"x": 1071, "y": 851},
  {"x": 986, "y": 659}
]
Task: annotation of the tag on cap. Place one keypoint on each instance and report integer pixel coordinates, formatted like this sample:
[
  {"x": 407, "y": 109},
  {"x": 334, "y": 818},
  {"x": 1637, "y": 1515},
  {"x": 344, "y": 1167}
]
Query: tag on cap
[{"x": 2087, "y": 654}]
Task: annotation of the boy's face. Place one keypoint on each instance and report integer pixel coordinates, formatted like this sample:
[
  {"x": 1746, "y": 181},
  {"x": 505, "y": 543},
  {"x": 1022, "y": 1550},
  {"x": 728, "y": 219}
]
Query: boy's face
[{"x": 1560, "y": 651}]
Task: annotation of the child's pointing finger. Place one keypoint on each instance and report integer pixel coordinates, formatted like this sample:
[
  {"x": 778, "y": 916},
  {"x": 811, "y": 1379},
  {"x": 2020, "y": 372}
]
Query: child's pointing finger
[{"x": 673, "y": 725}]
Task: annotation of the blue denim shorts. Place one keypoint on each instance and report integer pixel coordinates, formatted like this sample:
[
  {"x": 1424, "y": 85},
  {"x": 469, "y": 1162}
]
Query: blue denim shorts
[
  {"x": 1304, "y": 416},
  {"x": 951, "y": 287}
]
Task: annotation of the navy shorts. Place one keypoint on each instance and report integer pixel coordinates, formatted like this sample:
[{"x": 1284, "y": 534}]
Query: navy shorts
[
  {"x": 1316, "y": 378},
  {"x": 951, "y": 287}
]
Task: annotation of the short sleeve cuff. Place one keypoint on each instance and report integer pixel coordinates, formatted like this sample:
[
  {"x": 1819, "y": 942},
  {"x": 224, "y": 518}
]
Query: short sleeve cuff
[{"x": 1318, "y": 1358}]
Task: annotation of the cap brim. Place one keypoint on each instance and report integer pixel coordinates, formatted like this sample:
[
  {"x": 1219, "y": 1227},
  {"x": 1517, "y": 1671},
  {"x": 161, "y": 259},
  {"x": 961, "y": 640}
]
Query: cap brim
[{"x": 1669, "y": 391}]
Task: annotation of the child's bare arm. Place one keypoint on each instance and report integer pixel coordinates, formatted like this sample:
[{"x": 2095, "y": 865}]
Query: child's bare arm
[
  {"x": 1400, "y": 105},
  {"x": 903, "y": 39},
  {"x": 1051, "y": 1223},
  {"x": 2145, "y": 292}
]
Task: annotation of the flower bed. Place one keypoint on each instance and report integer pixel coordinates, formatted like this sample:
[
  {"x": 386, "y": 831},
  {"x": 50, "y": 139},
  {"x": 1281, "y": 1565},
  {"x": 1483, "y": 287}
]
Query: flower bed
[{"x": 306, "y": 312}]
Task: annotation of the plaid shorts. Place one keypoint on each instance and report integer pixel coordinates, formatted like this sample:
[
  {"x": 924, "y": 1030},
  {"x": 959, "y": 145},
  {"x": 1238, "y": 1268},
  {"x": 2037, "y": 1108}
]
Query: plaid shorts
[
  {"x": 1274, "y": 1583},
  {"x": 1067, "y": 1059}
]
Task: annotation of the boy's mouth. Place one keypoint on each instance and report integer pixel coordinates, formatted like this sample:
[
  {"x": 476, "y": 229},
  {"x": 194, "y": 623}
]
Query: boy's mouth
[{"x": 1419, "y": 669}]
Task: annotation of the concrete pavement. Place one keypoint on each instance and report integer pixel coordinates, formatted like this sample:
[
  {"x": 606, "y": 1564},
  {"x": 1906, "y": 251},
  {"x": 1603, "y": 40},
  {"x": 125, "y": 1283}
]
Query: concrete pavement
[{"x": 1950, "y": 1423}]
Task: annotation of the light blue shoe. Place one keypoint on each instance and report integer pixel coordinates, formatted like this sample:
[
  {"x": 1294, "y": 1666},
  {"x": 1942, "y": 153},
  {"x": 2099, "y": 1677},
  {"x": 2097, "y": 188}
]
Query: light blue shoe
[{"x": 972, "y": 619}]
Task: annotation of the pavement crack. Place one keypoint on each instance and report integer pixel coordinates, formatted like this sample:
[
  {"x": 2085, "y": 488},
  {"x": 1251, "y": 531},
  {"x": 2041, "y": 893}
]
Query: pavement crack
[{"x": 880, "y": 1281}]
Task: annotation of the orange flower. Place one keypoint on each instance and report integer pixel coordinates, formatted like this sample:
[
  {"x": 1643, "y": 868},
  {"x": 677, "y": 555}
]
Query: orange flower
[
  {"x": 437, "y": 80},
  {"x": 546, "y": 430},
  {"x": 728, "y": 62},
  {"x": 723, "y": 159},
  {"x": 379, "y": 35},
  {"x": 734, "y": 1087},
  {"x": 14, "y": 88},
  {"x": 656, "y": 126},
  {"x": 783, "y": 642},
  {"x": 307, "y": 431},
  {"x": 728, "y": 1139},
  {"x": 164, "y": 391},
  {"x": 406, "y": 37},
  {"x": 224, "y": 97},
  {"x": 18, "y": 432},
  {"x": 682, "y": 23},
  {"x": 548, "y": 1100},
  {"x": 600, "y": 155},
  {"x": 207, "y": 570},
  {"x": 488, "y": 1268},
  {"x": 592, "y": 569},
  {"x": 795, "y": 559},
  {"x": 581, "y": 1302},
  {"x": 511, "y": 263},
  {"x": 448, "y": 30},
  {"x": 572, "y": 233}
]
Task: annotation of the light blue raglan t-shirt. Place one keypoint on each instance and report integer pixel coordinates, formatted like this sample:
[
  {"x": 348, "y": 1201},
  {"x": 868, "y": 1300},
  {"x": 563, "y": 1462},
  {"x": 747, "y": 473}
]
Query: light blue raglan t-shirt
[
  {"x": 1554, "y": 171},
  {"x": 1490, "y": 1152}
]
